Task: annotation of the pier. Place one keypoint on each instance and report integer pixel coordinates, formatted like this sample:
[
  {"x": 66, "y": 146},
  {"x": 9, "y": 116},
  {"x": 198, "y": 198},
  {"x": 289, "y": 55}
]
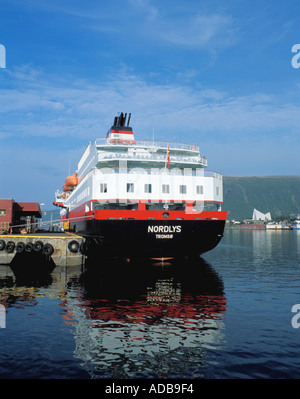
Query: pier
[
  {"x": 62, "y": 248},
  {"x": 26, "y": 238}
]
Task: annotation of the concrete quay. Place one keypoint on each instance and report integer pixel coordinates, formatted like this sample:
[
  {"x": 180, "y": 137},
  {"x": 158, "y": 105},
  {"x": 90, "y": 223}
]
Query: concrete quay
[{"x": 63, "y": 249}]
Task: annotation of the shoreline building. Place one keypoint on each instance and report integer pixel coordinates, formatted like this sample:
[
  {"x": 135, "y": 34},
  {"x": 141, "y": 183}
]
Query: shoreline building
[
  {"x": 18, "y": 216},
  {"x": 257, "y": 215}
]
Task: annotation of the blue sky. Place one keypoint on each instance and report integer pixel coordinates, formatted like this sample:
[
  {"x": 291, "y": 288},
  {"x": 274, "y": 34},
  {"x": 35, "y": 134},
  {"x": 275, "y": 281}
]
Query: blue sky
[{"x": 213, "y": 73}]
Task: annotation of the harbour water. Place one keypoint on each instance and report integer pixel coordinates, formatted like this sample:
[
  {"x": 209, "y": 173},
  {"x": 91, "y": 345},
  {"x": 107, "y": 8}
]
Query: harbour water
[{"x": 226, "y": 315}]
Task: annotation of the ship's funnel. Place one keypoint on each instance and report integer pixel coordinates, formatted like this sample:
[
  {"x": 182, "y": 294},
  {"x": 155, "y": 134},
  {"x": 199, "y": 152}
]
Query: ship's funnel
[
  {"x": 121, "y": 120},
  {"x": 119, "y": 132}
]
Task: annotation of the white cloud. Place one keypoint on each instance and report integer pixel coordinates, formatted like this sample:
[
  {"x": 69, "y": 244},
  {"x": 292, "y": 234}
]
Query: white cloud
[
  {"x": 145, "y": 5},
  {"x": 44, "y": 111},
  {"x": 200, "y": 31},
  {"x": 185, "y": 25},
  {"x": 45, "y": 107}
]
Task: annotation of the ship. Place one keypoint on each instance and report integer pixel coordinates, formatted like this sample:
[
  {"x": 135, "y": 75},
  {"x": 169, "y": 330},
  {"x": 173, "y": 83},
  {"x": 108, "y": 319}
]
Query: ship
[
  {"x": 296, "y": 225},
  {"x": 145, "y": 198}
]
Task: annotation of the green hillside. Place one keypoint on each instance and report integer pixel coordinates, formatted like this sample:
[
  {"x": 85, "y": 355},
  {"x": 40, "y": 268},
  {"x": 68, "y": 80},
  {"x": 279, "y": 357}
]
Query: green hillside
[{"x": 279, "y": 195}]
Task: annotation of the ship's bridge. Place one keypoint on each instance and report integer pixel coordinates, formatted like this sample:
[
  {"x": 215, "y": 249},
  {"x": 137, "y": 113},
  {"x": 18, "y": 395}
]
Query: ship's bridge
[
  {"x": 144, "y": 158},
  {"x": 120, "y": 150},
  {"x": 150, "y": 154}
]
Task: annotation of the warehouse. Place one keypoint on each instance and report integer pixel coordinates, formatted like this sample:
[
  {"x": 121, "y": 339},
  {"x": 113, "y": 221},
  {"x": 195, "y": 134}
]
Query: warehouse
[{"x": 19, "y": 217}]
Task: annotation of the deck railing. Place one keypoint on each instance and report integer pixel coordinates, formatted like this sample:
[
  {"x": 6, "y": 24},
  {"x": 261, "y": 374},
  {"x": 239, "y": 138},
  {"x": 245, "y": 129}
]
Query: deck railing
[
  {"x": 153, "y": 157},
  {"x": 155, "y": 144}
]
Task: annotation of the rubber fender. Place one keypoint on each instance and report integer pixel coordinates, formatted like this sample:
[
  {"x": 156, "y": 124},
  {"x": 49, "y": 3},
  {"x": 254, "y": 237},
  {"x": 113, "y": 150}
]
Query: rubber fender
[
  {"x": 73, "y": 246},
  {"x": 38, "y": 246},
  {"x": 28, "y": 247},
  {"x": 10, "y": 246},
  {"x": 20, "y": 247},
  {"x": 84, "y": 247},
  {"x": 2, "y": 245},
  {"x": 48, "y": 249}
]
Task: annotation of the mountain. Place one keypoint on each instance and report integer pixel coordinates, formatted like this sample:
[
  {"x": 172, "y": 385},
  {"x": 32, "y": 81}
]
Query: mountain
[{"x": 279, "y": 195}]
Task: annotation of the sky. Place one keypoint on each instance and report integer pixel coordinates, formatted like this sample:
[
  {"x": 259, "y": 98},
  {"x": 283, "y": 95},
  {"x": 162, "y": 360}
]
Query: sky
[{"x": 219, "y": 74}]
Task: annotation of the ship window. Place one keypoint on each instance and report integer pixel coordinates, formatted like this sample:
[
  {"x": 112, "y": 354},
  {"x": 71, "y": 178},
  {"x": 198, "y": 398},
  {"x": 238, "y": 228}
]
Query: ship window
[
  {"x": 166, "y": 188},
  {"x": 98, "y": 205},
  {"x": 199, "y": 189},
  {"x": 130, "y": 187},
  {"x": 210, "y": 206},
  {"x": 161, "y": 206},
  {"x": 103, "y": 187},
  {"x": 182, "y": 189},
  {"x": 148, "y": 188}
]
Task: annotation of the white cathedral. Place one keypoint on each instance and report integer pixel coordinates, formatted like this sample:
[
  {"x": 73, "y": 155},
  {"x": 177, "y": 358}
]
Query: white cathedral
[{"x": 261, "y": 216}]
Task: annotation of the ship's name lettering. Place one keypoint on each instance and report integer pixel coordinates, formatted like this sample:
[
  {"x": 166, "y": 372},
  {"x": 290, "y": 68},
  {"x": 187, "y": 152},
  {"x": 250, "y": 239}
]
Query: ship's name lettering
[
  {"x": 164, "y": 229},
  {"x": 163, "y": 236}
]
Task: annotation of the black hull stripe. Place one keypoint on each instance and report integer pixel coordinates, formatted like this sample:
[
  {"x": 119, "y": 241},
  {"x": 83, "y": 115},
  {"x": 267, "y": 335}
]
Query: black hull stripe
[{"x": 152, "y": 238}]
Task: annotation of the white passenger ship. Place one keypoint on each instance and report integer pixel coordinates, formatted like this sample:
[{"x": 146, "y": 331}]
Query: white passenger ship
[{"x": 147, "y": 198}]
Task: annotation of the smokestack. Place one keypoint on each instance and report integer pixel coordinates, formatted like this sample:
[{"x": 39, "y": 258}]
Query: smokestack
[
  {"x": 121, "y": 118},
  {"x": 129, "y": 116}
]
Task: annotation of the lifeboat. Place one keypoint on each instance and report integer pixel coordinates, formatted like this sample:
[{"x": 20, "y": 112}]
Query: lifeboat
[{"x": 71, "y": 182}]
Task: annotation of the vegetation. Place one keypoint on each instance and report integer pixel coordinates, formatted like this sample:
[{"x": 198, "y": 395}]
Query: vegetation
[{"x": 279, "y": 195}]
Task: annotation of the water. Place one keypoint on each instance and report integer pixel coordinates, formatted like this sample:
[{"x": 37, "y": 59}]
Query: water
[{"x": 225, "y": 315}]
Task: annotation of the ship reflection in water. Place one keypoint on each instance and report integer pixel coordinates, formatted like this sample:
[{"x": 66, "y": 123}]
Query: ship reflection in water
[
  {"x": 120, "y": 319},
  {"x": 148, "y": 320}
]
